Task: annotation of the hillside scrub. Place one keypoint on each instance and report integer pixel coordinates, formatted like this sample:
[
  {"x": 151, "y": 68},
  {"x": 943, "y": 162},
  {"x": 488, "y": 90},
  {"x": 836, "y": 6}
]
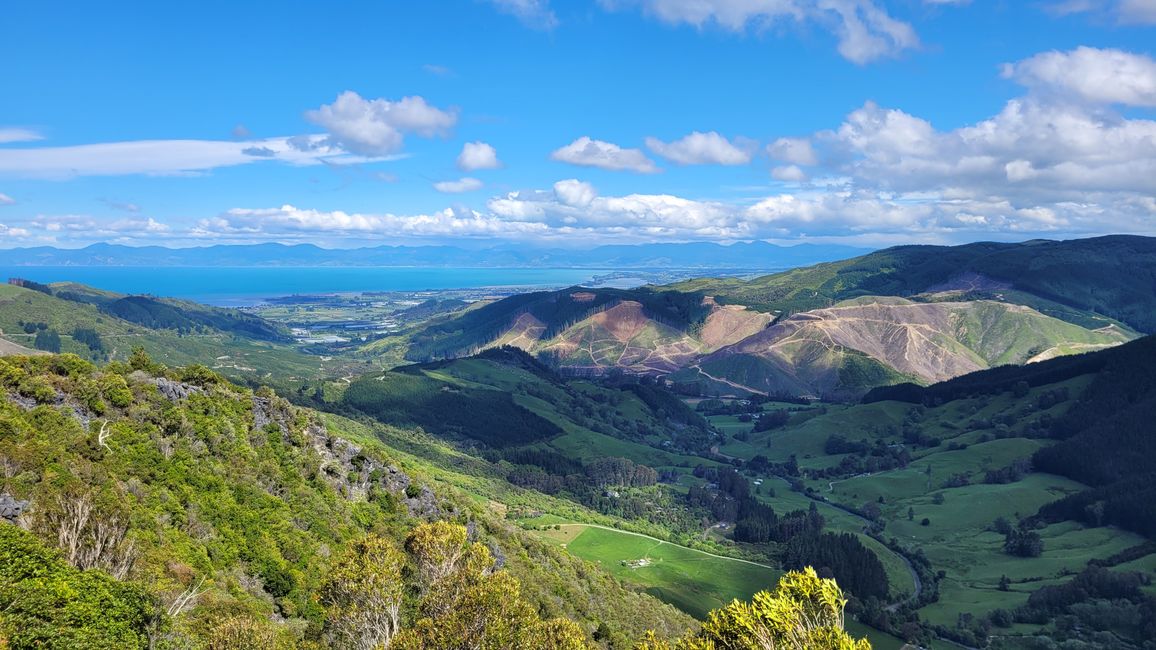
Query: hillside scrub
[{"x": 230, "y": 513}]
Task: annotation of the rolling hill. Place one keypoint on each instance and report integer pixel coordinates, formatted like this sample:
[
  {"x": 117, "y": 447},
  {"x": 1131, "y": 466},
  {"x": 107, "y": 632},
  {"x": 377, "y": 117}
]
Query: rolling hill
[{"x": 100, "y": 325}]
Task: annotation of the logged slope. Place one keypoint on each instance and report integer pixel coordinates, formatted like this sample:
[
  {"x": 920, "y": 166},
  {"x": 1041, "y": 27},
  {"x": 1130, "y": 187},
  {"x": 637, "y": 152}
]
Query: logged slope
[
  {"x": 1075, "y": 280},
  {"x": 643, "y": 330},
  {"x": 855, "y": 345}
]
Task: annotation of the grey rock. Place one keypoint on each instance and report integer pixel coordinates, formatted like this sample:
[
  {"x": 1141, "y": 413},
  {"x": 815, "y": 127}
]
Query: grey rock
[{"x": 11, "y": 508}]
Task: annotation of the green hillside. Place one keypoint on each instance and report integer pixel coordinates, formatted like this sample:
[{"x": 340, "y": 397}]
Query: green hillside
[
  {"x": 1017, "y": 483},
  {"x": 184, "y": 484},
  {"x": 98, "y": 326}
]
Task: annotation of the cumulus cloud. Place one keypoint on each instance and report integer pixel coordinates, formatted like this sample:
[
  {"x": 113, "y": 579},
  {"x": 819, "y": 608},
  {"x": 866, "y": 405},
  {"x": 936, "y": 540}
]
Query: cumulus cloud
[
  {"x": 797, "y": 151},
  {"x": 7, "y": 232},
  {"x": 604, "y": 155},
  {"x": 535, "y": 14},
  {"x": 478, "y": 155},
  {"x": 6, "y": 200},
  {"x": 702, "y": 149},
  {"x": 466, "y": 184},
  {"x": 788, "y": 174},
  {"x": 90, "y": 228},
  {"x": 575, "y": 193},
  {"x": 864, "y": 29},
  {"x": 17, "y": 134},
  {"x": 1066, "y": 151},
  {"x": 377, "y": 127},
  {"x": 1105, "y": 76},
  {"x": 290, "y": 222}
]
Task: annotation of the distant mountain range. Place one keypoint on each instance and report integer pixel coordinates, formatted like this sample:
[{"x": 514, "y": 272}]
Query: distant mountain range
[{"x": 753, "y": 255}]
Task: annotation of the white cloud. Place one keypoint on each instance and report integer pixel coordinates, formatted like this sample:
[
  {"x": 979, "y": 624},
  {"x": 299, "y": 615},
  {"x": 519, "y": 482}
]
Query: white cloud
[
  {"x": 866, "y": 32},
  {"x": 88, "y": 227},
  {"x": 535, "y": 14},
  {"x": 6, "y": 200},
  {"x": 797, "y": 151},
  {"x": 1138, "y": 11},
  {"x": 13, "y": 233},
  {"x": 789, "y": 174},
  {"x": 478, "y": 155},
  {"x": 1089, "y": 74},
  {"x": 17, "y": 134},
  {"x": 575, "y": 193},
  {"x": 163, "y": 157},
  {"x": 1134, "y": 12},
  {"x": 377, "y": 127},
  {"x": 702, "y": 149},
  {"x": 1064, "y": 150},
  {"x": 289, "y": 222},
  {"x": 605, "y": 155},
  {"x": 457, "y": 187}
]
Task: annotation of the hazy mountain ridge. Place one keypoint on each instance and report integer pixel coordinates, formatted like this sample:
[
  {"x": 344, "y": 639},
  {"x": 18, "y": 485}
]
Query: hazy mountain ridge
[{"x": 753, "y": 255}]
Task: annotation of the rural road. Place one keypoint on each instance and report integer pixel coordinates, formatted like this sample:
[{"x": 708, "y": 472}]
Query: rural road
[{"x": 663, "y": 541}]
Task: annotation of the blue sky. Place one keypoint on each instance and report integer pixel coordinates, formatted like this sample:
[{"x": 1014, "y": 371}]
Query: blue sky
[{"x": 870, "y": 122}]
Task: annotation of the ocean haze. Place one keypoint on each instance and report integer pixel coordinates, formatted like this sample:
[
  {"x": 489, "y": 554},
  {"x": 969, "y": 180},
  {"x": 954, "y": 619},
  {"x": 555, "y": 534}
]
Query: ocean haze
[{"x": 760, "y": 256}]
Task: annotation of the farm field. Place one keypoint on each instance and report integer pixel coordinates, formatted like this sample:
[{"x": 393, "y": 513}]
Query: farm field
[
  {"x": 932, "y": 504},
  {"x": 694, "y": 581}
]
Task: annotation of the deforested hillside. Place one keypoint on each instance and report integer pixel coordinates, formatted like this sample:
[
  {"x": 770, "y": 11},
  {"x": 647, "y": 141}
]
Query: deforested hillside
[
  {"x": 1074, "y": 280},
  {"x": 846, "y": 349},
  {"x": 194, "y": 513},
  {"x": 643, "y": 330}
]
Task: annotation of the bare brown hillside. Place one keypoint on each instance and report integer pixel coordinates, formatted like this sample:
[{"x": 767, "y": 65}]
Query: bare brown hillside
[{"x": 853, "y": 345}]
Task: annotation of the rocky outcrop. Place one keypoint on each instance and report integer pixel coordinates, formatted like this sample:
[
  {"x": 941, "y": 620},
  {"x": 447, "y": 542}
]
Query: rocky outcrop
[
  {"x": 175, "y": 390},
  {"x": 11, "y": 508}
]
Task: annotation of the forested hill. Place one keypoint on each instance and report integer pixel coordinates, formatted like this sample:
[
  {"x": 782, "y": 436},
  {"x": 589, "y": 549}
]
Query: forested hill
[
  {"x": 1112, "y": 276},
  {"x": 1105, "y": 438},
  {"x": 163, "y": 313},
  {"x": 169, "y": 508}
]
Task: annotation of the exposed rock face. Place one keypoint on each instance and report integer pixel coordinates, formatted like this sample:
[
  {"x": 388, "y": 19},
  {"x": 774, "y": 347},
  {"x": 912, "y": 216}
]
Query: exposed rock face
[
  {"x": 175, "y": 390},
  {"x": 11, "y": 508},
  {"x": 266, "y": 412}
]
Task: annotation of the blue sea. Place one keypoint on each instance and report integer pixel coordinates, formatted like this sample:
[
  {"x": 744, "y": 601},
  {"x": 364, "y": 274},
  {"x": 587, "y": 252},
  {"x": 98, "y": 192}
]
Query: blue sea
[{"x": 242, "y": 286}]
